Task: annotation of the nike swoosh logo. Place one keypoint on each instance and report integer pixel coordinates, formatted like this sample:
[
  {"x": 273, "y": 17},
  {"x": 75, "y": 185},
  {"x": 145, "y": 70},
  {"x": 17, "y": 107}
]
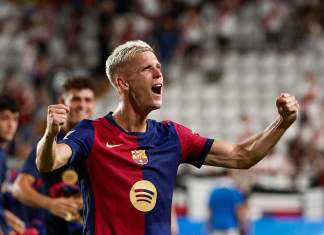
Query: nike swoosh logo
[{"x": 112, "y": 145}]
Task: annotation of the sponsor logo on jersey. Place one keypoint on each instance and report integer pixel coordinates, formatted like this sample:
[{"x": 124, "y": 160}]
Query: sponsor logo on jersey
[
  {"x": 70, "y": 177},
  {"x": 143, "y": 195},
  {"x": 139, "y": 156}
]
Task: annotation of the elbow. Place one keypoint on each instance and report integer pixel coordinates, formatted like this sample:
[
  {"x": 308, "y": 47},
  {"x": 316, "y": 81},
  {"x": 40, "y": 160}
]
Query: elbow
[
  {"x": 18, "y": 190},
  {"x": 244, "y": 158},
  {"x": 15, "y": 190}
]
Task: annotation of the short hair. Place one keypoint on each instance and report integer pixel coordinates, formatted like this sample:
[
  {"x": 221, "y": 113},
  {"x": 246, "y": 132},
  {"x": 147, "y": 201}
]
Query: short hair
[
  {"x": 121, "y": 55},
  {"x": 8, "y": 103},
  {"x": 79, "y": 83}
]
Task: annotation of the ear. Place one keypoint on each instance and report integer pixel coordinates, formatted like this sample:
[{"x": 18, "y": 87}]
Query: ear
[{"x": 121, "y": 83}]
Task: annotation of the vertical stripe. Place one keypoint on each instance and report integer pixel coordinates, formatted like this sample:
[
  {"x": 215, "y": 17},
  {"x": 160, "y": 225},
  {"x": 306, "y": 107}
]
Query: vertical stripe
[
  {"x": 113, "y": 173},
  {"x": 163, "y": 151}
]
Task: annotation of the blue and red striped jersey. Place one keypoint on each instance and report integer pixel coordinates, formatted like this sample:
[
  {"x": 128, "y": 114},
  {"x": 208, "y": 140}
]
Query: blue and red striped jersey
[{"x": 127, "y": 178}]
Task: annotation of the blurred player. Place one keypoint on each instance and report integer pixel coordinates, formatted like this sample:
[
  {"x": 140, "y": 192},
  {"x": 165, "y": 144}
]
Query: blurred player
[
  {"x": 128, "y": 163},
  {"x": 9, "y": 115},
  {"x": 226, "y": 207},
  {"x": 62, "y": 198}
]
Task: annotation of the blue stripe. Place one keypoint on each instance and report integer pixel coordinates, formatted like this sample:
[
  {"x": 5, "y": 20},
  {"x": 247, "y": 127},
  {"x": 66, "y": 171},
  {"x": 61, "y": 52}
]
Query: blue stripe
[
  {"x": 162, "y": 148},
  {"x": 89, "y": 209}
]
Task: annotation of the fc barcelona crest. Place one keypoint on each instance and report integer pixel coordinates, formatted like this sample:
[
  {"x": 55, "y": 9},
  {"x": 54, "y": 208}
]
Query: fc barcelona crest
[{"x": 139, "y": 156}]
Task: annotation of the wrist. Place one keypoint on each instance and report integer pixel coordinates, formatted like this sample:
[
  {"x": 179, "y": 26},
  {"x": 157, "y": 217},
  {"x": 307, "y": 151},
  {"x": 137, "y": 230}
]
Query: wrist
[{"x": 285, "y": 122}]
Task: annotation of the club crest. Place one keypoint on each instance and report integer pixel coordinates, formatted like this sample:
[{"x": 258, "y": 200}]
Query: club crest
[{"x": 139, "y": 156}]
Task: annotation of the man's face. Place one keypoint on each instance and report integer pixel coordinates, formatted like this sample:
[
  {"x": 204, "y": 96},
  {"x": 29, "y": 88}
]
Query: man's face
[
  {"x": 145, "y": 81},
  {"x": 8, "y": 125},
  {"x": 81, "y": 103}
]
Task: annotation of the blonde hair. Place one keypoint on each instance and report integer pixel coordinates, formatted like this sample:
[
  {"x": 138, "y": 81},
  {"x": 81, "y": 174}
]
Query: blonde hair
[{"x": 121, "y": 55}]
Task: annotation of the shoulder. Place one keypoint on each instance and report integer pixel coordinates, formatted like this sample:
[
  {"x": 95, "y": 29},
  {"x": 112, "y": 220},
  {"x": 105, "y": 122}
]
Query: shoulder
[
  {"x": 163, "y": 125},
  {"x": 84, "y": 124},
  {"x": 162, "y": 128}
]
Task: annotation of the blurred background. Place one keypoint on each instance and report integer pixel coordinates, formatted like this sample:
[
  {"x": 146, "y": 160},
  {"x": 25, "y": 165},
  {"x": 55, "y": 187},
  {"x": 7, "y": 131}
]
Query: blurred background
[{"x": 224, "y": 62}]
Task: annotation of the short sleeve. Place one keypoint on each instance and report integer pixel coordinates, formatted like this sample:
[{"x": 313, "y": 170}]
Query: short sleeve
[
  {"x": 194, "y": 148},
  {"x": 29, "y": 166},
  {"x": 80, "y": 140}
]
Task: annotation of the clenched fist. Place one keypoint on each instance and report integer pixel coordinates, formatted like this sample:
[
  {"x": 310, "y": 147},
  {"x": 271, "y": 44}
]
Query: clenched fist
[
  {"x": 56, "y": 117},
  {"x": 288, "y": 107}
]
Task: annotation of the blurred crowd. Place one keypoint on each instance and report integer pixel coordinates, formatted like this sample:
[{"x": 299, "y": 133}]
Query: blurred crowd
[{"x": 43, "y": 42}]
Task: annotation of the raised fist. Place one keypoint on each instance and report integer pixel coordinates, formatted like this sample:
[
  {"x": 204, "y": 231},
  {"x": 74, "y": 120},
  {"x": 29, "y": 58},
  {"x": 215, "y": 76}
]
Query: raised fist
[
  {"x": 288, "y": 107},
  {"x": 56, "y": 117}
]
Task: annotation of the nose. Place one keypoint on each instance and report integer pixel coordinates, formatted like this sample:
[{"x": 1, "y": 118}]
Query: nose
[
  {"x": 82, "y": 104},
  {"x": 11, "y": 124},
  {"x": 157, "y": 73}
]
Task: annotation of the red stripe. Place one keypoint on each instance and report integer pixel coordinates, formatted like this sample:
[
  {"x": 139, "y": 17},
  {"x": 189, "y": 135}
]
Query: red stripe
[{"x": 112, "y": 174}]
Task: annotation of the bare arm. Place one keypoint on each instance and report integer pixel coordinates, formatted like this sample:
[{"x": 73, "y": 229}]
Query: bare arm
[
  {"x": 252, "y": 150},
  {"x": 14, "y": 222},
  {"x": 23, "y": 191},
  {"x": 51, "y": 155}
]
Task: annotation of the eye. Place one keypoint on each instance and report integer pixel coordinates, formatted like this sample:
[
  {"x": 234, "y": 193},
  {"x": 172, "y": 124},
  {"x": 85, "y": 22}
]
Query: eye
[{"x": 147, "y": 68}]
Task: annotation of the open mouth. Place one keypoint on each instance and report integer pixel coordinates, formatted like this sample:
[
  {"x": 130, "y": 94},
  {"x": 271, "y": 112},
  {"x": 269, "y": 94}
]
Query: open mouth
[{"x": 157, "y": 89}]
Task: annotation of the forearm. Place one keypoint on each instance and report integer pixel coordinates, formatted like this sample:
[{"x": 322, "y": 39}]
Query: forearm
[
  {"x": 258, "y": 146},
  {"x": 33, "y": 199},
  {"x": 27, "y": 195},
  {"x": 45, "y": 157},
  {"x": 248, "y": 152},
  {"x": 14, "y": 222},
  {"x": 252, "y": 150}
]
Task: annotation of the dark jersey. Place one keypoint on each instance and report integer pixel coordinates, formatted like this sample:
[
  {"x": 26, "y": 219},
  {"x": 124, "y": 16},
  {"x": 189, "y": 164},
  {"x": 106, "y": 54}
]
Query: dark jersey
[
  {"x": 127, "y": 178},
  {"x": 59, "y": 183}
]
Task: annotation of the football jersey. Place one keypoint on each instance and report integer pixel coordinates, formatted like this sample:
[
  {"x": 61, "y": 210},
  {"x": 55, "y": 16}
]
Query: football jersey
[
  {"x": 59, "y": 183},
  {"x": 127, "y": 178},
  {"x": 3, "y": 169},
  {"x": 223, "y": 203}
]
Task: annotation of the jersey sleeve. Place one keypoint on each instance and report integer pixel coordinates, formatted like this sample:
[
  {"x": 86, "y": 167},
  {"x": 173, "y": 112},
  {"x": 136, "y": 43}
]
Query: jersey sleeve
[
  {"x": 3, "y": 169},
  {"x": 80, "y": 140},
  {"x": 29, "y": 166},
  {"x": 194, "y": 148}
]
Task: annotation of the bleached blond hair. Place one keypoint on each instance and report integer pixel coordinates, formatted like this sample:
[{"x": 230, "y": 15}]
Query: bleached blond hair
[{"x": 121, "y": 55}]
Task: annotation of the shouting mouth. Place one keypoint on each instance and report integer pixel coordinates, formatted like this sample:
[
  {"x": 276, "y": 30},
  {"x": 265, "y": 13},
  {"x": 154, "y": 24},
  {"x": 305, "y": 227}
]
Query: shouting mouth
[{"x": 157, "y": 89}]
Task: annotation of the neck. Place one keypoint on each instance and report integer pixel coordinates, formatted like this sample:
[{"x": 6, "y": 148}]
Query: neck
[{"x": 129, "y": 119}]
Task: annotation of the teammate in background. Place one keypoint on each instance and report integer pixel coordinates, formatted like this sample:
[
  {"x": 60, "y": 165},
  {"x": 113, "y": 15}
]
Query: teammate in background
[
  {"x": 128, "y": 163},
  {"x": 62, "y": 198},
  {"x": 226, "y": 207},
  {"x": 9, "y": 116}
]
